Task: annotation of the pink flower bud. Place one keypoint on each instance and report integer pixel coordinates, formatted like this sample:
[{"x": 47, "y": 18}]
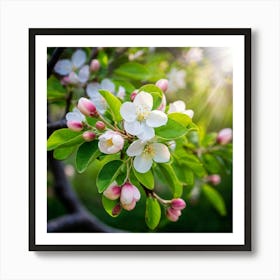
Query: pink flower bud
[
  {"x": 162, "y": 84},
  {"x": 86, "y": 107},
  {"x": 224, "y": 136},
  {"x": 89, "y": 136},
  {"x": 94, "y": 65},
  {"x": 116, "y": 210},
  {"x": 133, "y": 95},
  {"x": 178, "y": 203},
  {"x": 172, "y": 214},
  {"x": 100, "y": 125},
  {"x": 113, "y": 192},
  {"x": 214, "y": 179},
  {"x": 65, "y": 81},
  {"x": 75, "y": 125},
  {"x": 129, "y": 196}
]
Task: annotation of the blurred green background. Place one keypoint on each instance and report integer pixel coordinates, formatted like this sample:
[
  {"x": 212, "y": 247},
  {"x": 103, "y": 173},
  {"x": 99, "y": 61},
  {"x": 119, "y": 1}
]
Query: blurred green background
[{"x": 202, "y": 77}]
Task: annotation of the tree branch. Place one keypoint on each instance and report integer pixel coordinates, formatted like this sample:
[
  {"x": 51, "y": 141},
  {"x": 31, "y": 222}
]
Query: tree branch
[
  {"x": 82, "y": 220},
  {"x": 55, "y": 56}
]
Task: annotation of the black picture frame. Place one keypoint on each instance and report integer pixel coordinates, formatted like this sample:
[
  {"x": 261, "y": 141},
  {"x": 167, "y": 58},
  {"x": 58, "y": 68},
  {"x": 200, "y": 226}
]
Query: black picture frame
[{"x": 246, "y": 32}]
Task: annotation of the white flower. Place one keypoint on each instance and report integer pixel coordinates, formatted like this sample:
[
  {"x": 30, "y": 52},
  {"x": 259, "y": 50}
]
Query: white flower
[
  {"x": 68, "y": 67},
  {"x": 145, "y": 153},
  {"x": 179, "y": 106},
  {"x": 193, "y": 55},
  {"x": 110, "y": 142},
  {"x": 75, "y": 120},
  {"x": 98, "y": 100},
  {"x": 139, "y": 119},
  {"x": 176, "y": 80}
]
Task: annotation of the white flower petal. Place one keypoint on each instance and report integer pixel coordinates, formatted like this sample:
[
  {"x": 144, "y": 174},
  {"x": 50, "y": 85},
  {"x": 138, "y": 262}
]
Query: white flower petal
[
  {"x": 78, "y": 58},
  {"x": 63, "y": 67},
  {"x": 84, "y": 74},
  {"x": 100, "y": 104},
  {"x": 128, "y": 111},
  {"x": 118, "y": 141},
  {"x": 108, "y": 85},
  {"x": 162, "y": 153},
  {"x": 144, "y": 98},
  {"x": 136, "y": 148},
  {"x": 177, "y": 106},
  {"x": 190, "y": 113},
  {"x": 142, "y": 163},
  {"x": 73, "y": 78},
  {"x": 132, "y": 128},
  {"x": 92, "y": 90},
  {"x": 156, "y": 118},
  {"x": 121, "y": 93},
  {"x": 145, "y": 133}
]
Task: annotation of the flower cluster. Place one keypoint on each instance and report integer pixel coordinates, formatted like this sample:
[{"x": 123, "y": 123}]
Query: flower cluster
[{"x": 127, "y": 194}]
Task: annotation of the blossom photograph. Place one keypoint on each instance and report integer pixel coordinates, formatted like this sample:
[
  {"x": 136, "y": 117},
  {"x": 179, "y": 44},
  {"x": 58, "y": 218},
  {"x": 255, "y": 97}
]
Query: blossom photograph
[{"x": 139, "y": 139}]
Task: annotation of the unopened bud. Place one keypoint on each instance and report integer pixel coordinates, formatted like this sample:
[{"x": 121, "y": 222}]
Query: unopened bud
[
  {"x": 86, "y": 107},
  {"x": 162, "y": 84},
  {"x": 94, "y": 65},
  {"x": 214, "y": 179},
  {"x": 129, "y": 196},
  {"x": 172, "y": 214},
  {"x": 133, "y": 95},
  {"x": 65, "y": 81},
  {"x": 224, "y": 136},
  {"x": 113, "y": 192},
  {"x": 89, "y": 136},
  {"x": 75, "y": 125},
  {"x": 116, "y": 210},
  {"x": 178, "y": 203},
  {"x": 100, "y": 125}
]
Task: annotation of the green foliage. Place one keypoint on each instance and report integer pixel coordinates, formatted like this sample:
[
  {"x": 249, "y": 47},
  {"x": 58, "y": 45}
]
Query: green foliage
[
  {"x": 215, "y": 198},
  {"x": 55, "y": 89},
  {"x": 153, "y": 212},
  {"x": 146, "y": 179},
  {"x": 167, "y": 172},
  {"x": 108, "y": 174},
  {"x": 86, "y": 153},
  {"x": 109, "y": 205},
  {"x": 133, "y": 70},
  {"x": 171, "y": 130},
  {"x": 63, "y": 153},
  {"x": 180, "y": 118},
  {"x": 64, "y": 138},
  {"x": 114, "y": 104},
  {"x": 156, "y": 93}
]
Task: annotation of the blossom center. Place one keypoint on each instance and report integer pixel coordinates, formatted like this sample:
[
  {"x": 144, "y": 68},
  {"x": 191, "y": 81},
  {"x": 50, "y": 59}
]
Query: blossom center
[
  {"x": 109, "y": 142},
  {"x": 142, "y": 112},
  {"x": 149, "y": 151}
]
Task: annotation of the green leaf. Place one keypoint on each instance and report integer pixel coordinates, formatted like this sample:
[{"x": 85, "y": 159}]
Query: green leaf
[
  {"x": 215, "y": 198},
  {"x": 121, "y": 178},
  {"x": 63, "y": 153},
  {"x": 133, "y": 70},
  {"x": 109, "y": 205},
  {"x": 192, "y": 162},
  {"x": 171, "y": 130},
  {"x": 108, "y": 174},
  {"x": 114, "y": 104},
  {"x": 64, "y": 137},
  {"x": 211, "y": 163},
  {"x": 86, "y": 153},
  {"x": 184, "y": 174},
  {"x": 156, "y": 93},
  {"x": 180, "y": 118},
  {"x": 153, "y": 213},
  {"x": 209, "y": 139},
  {"x": 168, "y": 173},
  {"x": 146, "y": 179},
  {"x": 54, "y": 88}
]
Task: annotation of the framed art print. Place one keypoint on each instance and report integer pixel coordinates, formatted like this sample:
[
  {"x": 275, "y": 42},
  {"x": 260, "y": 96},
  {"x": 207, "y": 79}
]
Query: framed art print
[{"x": 140, "y": 139}]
